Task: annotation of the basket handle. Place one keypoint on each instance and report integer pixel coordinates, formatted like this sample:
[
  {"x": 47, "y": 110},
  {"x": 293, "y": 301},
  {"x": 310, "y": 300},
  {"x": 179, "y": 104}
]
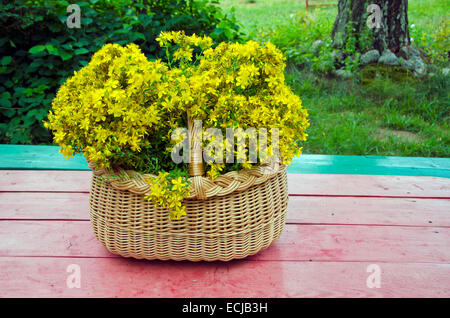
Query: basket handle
[{"x": 196, "y": 168}]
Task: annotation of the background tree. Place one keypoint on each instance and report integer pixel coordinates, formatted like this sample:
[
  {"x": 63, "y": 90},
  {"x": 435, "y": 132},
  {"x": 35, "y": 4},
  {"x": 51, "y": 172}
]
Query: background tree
[{"x": 350, "y": 29}]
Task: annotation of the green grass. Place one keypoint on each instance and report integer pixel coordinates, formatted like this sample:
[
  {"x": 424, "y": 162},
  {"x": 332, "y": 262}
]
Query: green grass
[
  {"x": 379, "y": 112},
  {"x": 263, "y": 14},
  {"x": 384, "y": 117}
]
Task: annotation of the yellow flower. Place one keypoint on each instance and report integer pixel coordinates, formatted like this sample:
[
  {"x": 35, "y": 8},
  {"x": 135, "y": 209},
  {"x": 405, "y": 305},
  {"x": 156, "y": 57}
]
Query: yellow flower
[{"x": 178, "y": 184}]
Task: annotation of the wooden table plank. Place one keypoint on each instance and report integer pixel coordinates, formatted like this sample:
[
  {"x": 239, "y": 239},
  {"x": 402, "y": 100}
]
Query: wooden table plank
[
  {"x": 370, "y": 186},
  {"x": 302, "y": 210},
  {"x": 350, "y": 243},
  {"x": 371, "y": 165},
  {"x": 369, "y": 211},
  {"x": 38, "y": 157},
  {"x": 44, "y": 206},
  {"x": 108, "y": 277},
  {"x": 49, "y": 158},
  {"x": 44, "y": 180},
  {"x": 297, "y": 243},
  {"x": 299, "y": 184}
]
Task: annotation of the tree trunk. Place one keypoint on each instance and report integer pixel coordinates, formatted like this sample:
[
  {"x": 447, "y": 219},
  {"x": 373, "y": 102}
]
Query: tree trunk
[{"x": 351, "y": 30}]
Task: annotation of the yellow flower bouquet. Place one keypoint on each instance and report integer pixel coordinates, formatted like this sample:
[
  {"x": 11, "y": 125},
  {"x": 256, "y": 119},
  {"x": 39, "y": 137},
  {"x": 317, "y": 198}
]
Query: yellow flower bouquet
[{"x": 167, "y": 183}]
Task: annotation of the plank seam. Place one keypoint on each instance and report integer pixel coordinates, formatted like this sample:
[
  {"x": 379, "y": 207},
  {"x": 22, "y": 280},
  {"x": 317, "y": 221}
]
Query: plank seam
[
  {"x": 252, "y": 258},
  {"x": 304, "y": 224},
  {"x": 291, "y": 195},
  {"x": 292, "y": 221},
  {"x": 368, "y": 224},
  {"x": 366, "y": 196}
]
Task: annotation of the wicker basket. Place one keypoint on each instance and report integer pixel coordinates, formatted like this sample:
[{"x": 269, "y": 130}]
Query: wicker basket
[{"x": 234, "y": 216}]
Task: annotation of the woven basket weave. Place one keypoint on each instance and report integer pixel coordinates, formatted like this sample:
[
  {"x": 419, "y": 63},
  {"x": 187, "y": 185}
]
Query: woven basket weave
[{"x": 236, "y": 215}]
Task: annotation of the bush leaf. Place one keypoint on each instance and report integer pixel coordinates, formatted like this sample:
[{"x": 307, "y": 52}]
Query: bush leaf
[{"x": 37, "y": 49}]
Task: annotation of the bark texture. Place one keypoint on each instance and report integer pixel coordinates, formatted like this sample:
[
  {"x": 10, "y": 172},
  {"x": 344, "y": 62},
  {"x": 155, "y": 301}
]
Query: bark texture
[{"x": 392, "y": 34}]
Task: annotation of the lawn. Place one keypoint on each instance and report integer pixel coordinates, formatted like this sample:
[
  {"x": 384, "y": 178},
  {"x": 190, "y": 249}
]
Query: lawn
[{"x": 377, "y": 111}]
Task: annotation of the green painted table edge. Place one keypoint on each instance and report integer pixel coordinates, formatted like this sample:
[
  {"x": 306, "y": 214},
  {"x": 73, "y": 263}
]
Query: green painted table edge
[{"x": 31, "y": 157}]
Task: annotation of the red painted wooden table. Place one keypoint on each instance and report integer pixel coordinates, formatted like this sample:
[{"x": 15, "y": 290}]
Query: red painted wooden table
[{"x": 339, "y": 226}]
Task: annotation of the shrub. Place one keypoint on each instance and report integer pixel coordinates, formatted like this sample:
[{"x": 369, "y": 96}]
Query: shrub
[
  {"x": 298, "y": 37},
  {"x": 39, "y": 52}
]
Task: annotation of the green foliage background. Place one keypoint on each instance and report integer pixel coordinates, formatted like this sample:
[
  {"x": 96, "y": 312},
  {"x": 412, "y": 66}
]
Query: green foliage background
[
  {"x": 379, "y": 110},
  {"x": 38, "y": 52}
]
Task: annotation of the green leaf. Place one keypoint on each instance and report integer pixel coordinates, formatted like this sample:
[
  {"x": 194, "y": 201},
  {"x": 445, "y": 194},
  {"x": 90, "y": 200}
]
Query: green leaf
[
  {"x": 37, "y": 49},
  {"x": 81, "y": 51},
  {"x": 6, "y": 95},
  {"x": 87, "y": 21},
  {"x": 65, "y": 55},
  {"x": 6, "y": 60},
  {"x": 81, "y": 42},
  {"x": 4, "y": 102},
  {"x": 38, "y": 114},
  {"x": 9, "y": 113},
  {"x": 139, "y": 35},
  {"x": 52, "y": 50}
]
